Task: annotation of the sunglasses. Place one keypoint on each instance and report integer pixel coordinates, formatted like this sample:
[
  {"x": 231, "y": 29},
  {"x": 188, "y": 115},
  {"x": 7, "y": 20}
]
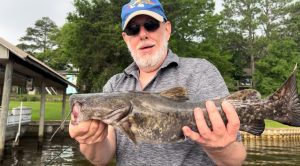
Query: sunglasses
[{"x": 134, "y": 29}]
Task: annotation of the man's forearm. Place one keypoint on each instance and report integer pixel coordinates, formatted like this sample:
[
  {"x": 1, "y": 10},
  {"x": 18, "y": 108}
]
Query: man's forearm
[
  {"x": 233, "y": 155},
  {"x": 100, "y": 153}
]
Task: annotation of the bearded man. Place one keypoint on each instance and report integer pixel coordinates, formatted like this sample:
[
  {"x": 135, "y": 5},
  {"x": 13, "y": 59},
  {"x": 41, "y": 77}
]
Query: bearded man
[{"x": 146, "y": 32}]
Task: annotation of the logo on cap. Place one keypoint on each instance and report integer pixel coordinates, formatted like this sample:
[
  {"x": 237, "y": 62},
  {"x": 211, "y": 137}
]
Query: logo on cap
[
  {"x": 139, "y": 3},
  {"x": 152, "y": 8}
]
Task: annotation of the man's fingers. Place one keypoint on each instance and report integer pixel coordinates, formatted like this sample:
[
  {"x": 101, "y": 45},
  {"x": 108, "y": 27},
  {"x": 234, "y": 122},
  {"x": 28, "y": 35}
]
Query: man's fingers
[
  {"x": 213, "y": 134},
  {"x": 79, "y": 129},
  {"x": 215, "y": 117},
  {"x": 100, "y": 134},
  {"x": 91, "y": 130},
  {"x": 203, "y": 129},
  {"x": 233, "y": 124},
  {"x": 191, "y": 134}
]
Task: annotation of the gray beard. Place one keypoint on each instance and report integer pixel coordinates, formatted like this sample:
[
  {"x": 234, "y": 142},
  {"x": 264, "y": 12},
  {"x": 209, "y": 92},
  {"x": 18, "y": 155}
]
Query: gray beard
[{"x": 149, "y": 61}]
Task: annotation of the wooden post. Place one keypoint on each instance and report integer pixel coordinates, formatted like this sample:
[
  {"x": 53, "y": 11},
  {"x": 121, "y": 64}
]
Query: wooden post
[
  {"x": 5, "y": 103},
  {"x": 63, "y": 109},
  {"x": 42, "y": 112}
]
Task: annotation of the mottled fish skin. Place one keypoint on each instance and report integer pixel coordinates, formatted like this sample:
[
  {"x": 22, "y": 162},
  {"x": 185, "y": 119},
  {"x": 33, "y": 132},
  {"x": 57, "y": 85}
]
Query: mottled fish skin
[{"x": 159, "y": 117}]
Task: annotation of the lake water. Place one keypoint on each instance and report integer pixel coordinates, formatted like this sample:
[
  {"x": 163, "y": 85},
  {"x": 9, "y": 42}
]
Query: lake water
[
  {"x": 61, "y": 151},
  {"x": 65, "y": 152},
  {"x": 273, "y": 152}
]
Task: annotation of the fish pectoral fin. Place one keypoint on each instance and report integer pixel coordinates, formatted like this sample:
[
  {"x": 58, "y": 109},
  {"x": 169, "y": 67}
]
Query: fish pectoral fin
[
  {"x": 176, "y": 93},
  {"x": 126, "y": 127},
  {"x": 256, "y": 127}
]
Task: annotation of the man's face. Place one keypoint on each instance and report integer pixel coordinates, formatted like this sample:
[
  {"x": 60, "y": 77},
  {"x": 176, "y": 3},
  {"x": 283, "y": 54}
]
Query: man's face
[{"x": 148, "y": 47}]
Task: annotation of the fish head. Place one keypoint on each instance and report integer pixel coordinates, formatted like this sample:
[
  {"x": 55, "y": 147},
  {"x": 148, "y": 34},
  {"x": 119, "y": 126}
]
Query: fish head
[{"x": 109, "y": 108}]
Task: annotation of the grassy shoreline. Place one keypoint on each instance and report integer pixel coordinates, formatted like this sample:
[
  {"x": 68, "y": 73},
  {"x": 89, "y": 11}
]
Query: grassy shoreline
[{"x": 53, "y": 109}]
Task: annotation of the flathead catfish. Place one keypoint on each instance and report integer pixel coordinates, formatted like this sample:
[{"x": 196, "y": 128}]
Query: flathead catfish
[{"x": 159, "y": 117}]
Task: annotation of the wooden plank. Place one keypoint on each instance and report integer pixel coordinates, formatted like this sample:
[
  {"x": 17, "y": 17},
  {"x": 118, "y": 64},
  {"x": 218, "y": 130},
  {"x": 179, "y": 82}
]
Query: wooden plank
[
  {"x": 63, "y": 108},
  {"x": 42, "y": 111},
  {"x": 4, "y": 52},
  {"x": 5, "y": 102}
]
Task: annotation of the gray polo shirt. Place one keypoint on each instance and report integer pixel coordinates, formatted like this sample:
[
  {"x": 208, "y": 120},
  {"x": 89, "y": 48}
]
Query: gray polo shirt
[{"x": 202, "y": 80}]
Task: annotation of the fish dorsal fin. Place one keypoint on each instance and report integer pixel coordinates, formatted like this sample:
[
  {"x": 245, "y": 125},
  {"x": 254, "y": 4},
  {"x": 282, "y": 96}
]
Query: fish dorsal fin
[
  {"x": 246, "y": 94},
  {"x": 176, "y": 93}
]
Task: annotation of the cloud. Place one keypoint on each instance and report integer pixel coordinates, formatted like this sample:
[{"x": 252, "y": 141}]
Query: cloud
[{"x": 17, "y": 15}]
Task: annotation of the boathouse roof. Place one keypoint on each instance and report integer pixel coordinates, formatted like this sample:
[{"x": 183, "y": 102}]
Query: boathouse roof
[{"x": 27, "y": 67}]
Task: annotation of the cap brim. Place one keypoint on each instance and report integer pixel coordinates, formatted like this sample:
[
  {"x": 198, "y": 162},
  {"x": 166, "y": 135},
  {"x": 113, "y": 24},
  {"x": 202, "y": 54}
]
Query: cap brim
[{"x": 143, "y": 12}]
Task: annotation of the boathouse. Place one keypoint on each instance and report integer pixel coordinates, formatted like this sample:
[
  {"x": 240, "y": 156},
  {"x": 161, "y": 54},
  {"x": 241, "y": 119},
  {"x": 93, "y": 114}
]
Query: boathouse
[{"x": 22, "y": 69}]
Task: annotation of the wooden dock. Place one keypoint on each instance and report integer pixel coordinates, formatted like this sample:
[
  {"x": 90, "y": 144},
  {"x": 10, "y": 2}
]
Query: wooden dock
[
  {"x": 50, "y": 127},
  {"x": 275, "y": 133}
]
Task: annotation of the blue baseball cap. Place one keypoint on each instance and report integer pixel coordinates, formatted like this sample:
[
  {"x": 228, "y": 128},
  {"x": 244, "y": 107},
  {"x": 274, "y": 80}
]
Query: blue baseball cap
[{"x": 134, "y": 8}]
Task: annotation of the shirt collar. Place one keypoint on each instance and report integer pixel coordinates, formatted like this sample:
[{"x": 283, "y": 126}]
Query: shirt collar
[{"x": 171, "y": 58}]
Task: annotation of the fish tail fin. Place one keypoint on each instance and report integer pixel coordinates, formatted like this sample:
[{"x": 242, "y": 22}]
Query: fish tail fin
[{"x": 286, "y": 103}]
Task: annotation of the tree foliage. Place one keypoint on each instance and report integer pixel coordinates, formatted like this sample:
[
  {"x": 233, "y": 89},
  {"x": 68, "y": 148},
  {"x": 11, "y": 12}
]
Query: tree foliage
[
  {"x": 274, "y": 69},
  {"x": 40, "y": 41},
  {"x": 92, "y": 37},
  {"x": 258, "y": 30},
  {"x": 281, "y": 51},
  {"x": 292, "y": 23},
  {"x": 241, "y": 17},
  {"x": 40, "y": 37},
  {"x": 92, "y": 40},
  {"x": 259, "y": 34},
  {"x": 196, "y": 27}
]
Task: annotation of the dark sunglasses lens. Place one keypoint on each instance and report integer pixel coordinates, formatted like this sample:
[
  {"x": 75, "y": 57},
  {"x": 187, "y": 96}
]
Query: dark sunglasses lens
[
  {"x": 133, "y": 29},
  {"x": 151, "y": 25}
]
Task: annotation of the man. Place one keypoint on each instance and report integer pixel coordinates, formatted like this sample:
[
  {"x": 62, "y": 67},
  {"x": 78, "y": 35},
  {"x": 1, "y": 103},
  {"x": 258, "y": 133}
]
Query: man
[{"x": 146, "y": 32}]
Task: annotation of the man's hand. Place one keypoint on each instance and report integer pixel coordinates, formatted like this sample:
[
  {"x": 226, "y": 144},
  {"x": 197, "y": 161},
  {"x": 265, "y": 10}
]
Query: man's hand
[
  {"x": 87, "y": 132},
  {"x": 97, "y": 139},
  {"x": 220, "y": 136},
  {"x": 220, "y": 142}
]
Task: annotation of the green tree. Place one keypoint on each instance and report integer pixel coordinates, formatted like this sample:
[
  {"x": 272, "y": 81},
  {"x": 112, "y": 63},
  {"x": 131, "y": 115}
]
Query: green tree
[
  {"x": 272, "y": 70},
  {"x": 196, "y": 33},
  {"x": 92, "y": 40},
  {"x": 40, "y": 37},
  {"x": 292, "y": 23},
  {"x": 40, "y": 41},
  {"x": 252, "y": 27},
  {"x": 92, "y": 37},
  {"x": 272, "y": 16},
  {"x": 241, "y": 17},
  {"x": 282, "y": 51}
]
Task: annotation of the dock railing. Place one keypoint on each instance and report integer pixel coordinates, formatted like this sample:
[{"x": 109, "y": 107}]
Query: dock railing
[{"x": 275, "y": 133}]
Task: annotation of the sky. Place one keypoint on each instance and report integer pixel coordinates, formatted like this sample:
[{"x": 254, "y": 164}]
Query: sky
[{"x": 17, "y": 15}]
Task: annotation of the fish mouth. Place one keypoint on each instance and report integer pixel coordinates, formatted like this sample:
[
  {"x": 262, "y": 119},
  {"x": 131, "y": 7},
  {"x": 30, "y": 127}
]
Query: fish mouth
[
  {"x": 76, "y": 107},
  {"x": 111, "y": 116}
]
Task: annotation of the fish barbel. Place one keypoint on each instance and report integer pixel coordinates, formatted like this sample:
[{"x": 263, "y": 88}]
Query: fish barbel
[{"x": 159, "y": 117}]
